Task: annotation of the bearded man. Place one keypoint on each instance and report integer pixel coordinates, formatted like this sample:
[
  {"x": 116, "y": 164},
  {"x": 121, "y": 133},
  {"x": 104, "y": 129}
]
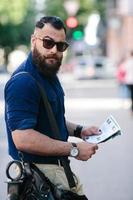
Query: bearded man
[{"x": 27, "y": 123}]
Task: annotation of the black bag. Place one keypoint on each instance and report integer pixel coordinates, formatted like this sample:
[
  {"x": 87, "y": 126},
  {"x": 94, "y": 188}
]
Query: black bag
[{"x": 32, "y": 184}]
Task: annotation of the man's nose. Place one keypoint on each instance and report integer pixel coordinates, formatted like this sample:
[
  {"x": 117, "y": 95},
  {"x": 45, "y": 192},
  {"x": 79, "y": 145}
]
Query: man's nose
[{"x": 54, "y": 49}]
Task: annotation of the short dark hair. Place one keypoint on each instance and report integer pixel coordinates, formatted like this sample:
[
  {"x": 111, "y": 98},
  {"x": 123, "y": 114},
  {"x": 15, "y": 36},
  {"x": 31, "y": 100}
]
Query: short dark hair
[{"x": 55, "y": 21}]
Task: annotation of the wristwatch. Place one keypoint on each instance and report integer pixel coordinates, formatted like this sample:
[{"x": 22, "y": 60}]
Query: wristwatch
[{"x": 74, "y": 150}]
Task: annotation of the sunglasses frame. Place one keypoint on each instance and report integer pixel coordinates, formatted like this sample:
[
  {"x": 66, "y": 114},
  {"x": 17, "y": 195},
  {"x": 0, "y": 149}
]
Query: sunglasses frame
[{"x": 54, "y": 43}]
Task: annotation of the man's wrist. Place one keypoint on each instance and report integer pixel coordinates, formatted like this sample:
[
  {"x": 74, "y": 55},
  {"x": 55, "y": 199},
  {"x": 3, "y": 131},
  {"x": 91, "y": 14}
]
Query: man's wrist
[
  {"x": 77, "y": 131},
  {"x": 74, "y": 152}
]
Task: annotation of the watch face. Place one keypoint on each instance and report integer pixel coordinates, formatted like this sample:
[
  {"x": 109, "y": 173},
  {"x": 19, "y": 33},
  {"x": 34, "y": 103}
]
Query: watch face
[{"x": 74, "y": 152}]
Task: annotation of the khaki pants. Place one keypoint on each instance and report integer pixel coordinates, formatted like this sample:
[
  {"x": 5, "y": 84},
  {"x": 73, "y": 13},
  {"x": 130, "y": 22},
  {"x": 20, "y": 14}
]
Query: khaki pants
[{"x": 57, "y": 176}]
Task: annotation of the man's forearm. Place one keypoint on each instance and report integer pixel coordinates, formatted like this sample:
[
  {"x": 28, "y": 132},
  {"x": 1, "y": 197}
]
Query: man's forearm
[
  {"x": 71, "y": 127},
  {"x": 31, "y": 141}
]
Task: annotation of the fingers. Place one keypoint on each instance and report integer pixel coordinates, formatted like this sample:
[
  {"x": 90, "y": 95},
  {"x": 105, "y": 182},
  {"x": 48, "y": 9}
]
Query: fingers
[
  {"x": 93, "y": 130},
  {"x": 86, "y": 150},
  {"x": 94, "y": 148}
]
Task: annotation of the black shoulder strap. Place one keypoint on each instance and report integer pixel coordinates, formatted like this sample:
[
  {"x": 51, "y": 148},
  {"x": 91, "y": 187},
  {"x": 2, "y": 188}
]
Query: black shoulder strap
[{"x": 55, "y": 130}]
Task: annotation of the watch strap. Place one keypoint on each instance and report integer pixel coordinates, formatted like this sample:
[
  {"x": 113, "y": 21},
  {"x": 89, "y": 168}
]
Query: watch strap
[
  {"x": 74, "y": 144},
  {"x": 77, "y": 131}
]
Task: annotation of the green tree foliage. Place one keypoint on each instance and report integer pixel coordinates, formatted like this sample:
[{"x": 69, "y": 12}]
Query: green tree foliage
[
  {"x": 12, "y": 11},
  {"x": 86, "y": 8},
  {"x": 16, "y": 22},
  {"x": 100, "y": 7},
  {"x": 55, "y": 8}
]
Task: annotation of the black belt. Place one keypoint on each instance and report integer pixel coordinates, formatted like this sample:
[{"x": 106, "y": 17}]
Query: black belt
[{"x": 55, "y": 162}]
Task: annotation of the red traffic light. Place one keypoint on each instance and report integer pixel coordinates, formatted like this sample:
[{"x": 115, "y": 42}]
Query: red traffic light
[{"x": 72, "y": 22}]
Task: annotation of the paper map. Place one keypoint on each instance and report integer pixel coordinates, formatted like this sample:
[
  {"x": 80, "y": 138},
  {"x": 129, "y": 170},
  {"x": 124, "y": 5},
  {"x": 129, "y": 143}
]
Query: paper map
[{"x": 109, "y": 129}]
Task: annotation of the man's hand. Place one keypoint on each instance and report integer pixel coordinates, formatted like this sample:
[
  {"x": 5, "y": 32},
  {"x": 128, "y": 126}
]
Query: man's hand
[
  {"x": 87, "y": 131},
  {"x": 86, "y": 150}
]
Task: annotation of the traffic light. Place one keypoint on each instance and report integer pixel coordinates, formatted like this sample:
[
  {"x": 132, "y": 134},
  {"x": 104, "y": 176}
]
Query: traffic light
[
  {"x": 77, "y": 34},
  {"x": 72, "y": 22}
]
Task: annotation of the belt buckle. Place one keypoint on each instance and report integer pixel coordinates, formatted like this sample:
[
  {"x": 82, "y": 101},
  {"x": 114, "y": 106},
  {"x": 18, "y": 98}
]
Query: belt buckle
[{"x": 59, "y": 163}]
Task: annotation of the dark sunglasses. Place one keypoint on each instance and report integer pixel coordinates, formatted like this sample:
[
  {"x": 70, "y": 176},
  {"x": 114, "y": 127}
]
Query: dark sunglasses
[{"x": 49, "y": 43}]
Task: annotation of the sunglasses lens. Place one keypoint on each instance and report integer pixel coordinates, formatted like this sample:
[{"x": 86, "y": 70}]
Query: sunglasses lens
[
  {"x": 48, "y": 43},
  {"x": 62, "y": 46}
]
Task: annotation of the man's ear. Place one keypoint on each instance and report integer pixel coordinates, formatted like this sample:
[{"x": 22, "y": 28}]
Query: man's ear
[{"x": 32, "y": 41}]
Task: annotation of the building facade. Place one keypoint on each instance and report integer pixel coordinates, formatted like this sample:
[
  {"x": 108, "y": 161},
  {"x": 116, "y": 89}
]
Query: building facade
[{"x": 119, "y": 28}]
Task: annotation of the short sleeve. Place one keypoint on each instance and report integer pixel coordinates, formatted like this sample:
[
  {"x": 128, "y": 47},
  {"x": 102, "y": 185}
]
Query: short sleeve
[{"x": 22, "y": 97}]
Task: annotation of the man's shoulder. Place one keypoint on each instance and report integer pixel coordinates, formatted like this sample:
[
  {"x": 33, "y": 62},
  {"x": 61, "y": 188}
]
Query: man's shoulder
[
  {"x": 21, "y": 82},
  {"x": 20, "y": 77}
]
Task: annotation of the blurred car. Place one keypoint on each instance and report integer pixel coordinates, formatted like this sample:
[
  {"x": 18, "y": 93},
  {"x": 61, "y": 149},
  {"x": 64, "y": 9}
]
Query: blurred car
[
  {"x": 88, "y": 67},
  {"x": 83, "y": 68}
]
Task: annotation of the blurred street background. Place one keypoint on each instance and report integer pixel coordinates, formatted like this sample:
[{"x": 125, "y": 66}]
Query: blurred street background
[{"x": 100, "y": 34}]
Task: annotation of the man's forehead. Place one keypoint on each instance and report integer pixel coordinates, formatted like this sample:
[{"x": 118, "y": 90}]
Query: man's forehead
[{"x": 49, "y": 30}]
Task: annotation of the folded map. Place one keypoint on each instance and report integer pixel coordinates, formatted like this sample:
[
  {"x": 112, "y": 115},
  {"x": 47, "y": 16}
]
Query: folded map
[{"x": 109, "y": 129}]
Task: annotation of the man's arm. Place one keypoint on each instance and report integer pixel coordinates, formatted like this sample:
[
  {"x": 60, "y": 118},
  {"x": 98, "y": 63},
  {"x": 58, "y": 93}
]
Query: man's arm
[
  {"x": 34, "y": 142},
  {"x": 71, "y": 127}
]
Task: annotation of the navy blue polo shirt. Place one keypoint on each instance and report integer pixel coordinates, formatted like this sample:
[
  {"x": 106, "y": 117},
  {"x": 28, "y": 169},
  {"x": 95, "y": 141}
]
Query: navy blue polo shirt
[{"x": 24, "y": 107}]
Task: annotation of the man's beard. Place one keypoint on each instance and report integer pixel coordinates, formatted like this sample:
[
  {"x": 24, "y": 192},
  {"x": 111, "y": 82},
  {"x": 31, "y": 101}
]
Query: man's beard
[{"x": 48, "y": 70}]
